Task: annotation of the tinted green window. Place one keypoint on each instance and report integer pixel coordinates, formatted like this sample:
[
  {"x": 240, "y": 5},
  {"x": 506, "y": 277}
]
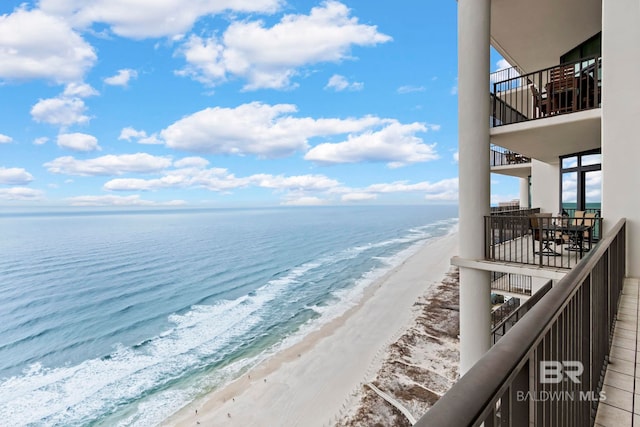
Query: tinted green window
[{"x": 590, "y": 47}]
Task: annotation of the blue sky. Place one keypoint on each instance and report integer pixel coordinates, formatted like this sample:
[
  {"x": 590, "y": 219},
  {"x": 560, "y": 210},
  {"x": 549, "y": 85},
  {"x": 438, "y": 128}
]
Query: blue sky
[{"x": 229, "y": 103}]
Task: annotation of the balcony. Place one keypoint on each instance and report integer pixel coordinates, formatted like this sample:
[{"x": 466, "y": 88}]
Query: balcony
[
  {"x": 549, "y": 113},
  {"x": 503, "y": 157},
  {"x": 572, "y": 325},
  {"x": 562, "y": 89},
  {"x": 548, "y": 242},
  {"x": 507, "y": 162}
]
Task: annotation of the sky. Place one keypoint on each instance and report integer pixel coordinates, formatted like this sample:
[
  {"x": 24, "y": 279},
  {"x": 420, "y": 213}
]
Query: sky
[{"x": 217, "y": 103}]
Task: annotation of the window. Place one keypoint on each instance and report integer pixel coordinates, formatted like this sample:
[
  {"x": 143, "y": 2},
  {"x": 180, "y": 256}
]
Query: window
[
  {"x": 590, "y": 47},
  {"x": 580, "y": 181}
]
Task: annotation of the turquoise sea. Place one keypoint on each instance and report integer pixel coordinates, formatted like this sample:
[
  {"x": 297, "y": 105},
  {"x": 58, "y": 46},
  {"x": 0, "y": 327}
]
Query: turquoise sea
[{"x": 122, "y": 318}]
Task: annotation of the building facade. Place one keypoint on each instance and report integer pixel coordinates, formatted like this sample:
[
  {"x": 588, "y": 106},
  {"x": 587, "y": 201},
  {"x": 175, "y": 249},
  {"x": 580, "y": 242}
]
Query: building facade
[{"x": 563, "y": 120}]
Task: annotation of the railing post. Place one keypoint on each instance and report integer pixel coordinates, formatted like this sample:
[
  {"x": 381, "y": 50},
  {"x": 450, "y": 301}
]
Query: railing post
[{"x": 493, "y": 99}]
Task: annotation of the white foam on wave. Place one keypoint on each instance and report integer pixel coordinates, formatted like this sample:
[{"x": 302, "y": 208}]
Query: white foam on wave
[
  {"x": 351, "y": 296},
  {"x": 73, "y": 395}
]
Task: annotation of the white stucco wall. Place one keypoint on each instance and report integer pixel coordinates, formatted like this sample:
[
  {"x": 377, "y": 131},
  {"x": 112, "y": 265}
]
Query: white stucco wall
[
  {"x": 524, "y": 192},
  {"x": 621, "y": 122},
  {"x": 545, "y": 186}
]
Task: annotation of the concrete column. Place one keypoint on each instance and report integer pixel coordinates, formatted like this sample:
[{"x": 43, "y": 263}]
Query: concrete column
[
  {"x": 545, "y": 186},
  {"x": 620, "y": 112},
  {"x": 474, "y": 175},
  {"x": 524, "y": 192}
]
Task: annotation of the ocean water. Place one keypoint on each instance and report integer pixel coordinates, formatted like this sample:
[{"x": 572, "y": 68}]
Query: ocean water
[{"x": 120, "y": 319}]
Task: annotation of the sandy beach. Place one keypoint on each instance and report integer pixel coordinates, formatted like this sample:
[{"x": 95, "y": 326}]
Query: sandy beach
[{"x": 319, "y": 380}]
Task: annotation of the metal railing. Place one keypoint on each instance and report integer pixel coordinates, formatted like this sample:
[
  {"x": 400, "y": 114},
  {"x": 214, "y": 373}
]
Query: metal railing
[
  {"x": 565, "y": 88},
  {"x": 572, "y": 325},
  {"x": 597, "y": 231},
  {"x": 511, "y": 282},
  {"x": 513, "y": 211},
  {"x": 546, "y": 241},
  {"x": 502, "y": 157},
  {"x": 498, "y": 329},
  {"x": 506, "y": 308}
]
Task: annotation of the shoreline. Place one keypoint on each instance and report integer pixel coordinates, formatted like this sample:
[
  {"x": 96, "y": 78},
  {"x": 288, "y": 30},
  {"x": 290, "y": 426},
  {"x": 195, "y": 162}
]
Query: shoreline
[{"x": 317, "y": 380}]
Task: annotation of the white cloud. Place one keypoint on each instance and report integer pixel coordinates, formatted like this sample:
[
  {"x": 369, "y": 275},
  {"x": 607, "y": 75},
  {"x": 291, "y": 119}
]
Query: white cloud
[
  {"x": 456, "y": 156},
  {"x": 35, "y": 45},
  {"x": 20, "y": 193},
  {"x": 4, "y": 139},
  {"x": 271, "y": 57},
  {"x": 593, "y": 187},
  {"x": 60, "y": 111},
  {"x": 128, "y": 133},
  {"x": 215, "y": 179},
  {"x": 410, "y": 89},
  {"x": 111, "y": 200},
  {"x": 41, "y": 140},
  {"x": 267, "y": 131},
  {"x": 78, "y": 142},
  {"x": 395, "y": 144},
  {"x": 443, "y": 190},
  {"x": 79, "y": 90},
  {"x": 192, "y": 175},
  {"x": 191, "y": 162},
  {"x": 304, "y": 201},
  {"x": 122, "y": 78},
  {"x": 109, "y": 165},
  {"x": 503, "y": 64},
  {"x": 142, "y": 19},
  {"x": 340, "y": 83},
  {"x": 14, "y": 176},
  {"x": 504, "y": 71},
  {"x": 358, "y": 197},
  {"x": 449, "y": 184},
  {"x": 294, "y": 183},
  {"x": 140, "y": 136}
]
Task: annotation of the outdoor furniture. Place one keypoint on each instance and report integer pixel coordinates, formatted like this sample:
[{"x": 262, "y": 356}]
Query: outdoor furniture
[
  {"x": 589, "y": 222},
  {"x": 544, "y": 232},
  {"x": 540, "y": 103},
  {"x": 562, "y": 89}
]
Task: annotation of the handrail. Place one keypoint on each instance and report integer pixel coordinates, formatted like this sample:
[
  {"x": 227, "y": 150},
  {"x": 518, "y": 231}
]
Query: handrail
[
  {"x": 506, "y": 368},
  {"x": 509, "y": 321},
  {"x": 502, "y": 157},
  {"x": 560, "y": 89},
  {"x": 516, "y": 238}
]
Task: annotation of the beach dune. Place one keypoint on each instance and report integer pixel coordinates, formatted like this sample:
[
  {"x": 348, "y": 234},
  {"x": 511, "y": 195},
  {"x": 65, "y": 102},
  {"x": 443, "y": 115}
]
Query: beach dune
[{"x": 316, "y": 381}]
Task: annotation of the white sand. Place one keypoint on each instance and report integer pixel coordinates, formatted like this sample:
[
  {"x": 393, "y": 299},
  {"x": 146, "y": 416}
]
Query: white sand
[{"x": 315, "y": 381}]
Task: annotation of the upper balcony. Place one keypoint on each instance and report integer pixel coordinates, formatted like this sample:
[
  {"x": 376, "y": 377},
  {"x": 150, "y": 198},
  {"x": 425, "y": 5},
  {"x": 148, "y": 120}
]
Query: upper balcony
[
  {"x": 550, "y": 112},
  {"x": 507, "y": 162},
  {"x": 533, "y": 35},
  {"x": 562, "y": 89}
]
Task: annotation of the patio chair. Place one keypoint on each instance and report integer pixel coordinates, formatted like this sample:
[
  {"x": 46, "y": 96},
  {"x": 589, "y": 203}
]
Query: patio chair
[
  {"x": 540, "y": 103},
  {"x": 589, "y": 221},
  {"x": 574, "y": 240},
  {"x": 538, "y": 223}
]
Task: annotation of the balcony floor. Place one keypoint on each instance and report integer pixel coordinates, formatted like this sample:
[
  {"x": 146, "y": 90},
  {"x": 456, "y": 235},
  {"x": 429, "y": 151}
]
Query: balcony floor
[{"x": 622, "y": 379}]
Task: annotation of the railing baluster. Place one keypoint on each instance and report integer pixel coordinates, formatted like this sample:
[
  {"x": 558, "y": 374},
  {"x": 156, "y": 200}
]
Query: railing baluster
[
  {"x": 558, "y": 89},
  {"x": 571, "y": 322}
]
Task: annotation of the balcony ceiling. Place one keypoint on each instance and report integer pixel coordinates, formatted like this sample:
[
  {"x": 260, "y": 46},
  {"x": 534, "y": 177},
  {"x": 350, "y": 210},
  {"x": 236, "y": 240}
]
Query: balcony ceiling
[
  {"x": 533, "y": 34},
  {"x": 548, "y": 139}
]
